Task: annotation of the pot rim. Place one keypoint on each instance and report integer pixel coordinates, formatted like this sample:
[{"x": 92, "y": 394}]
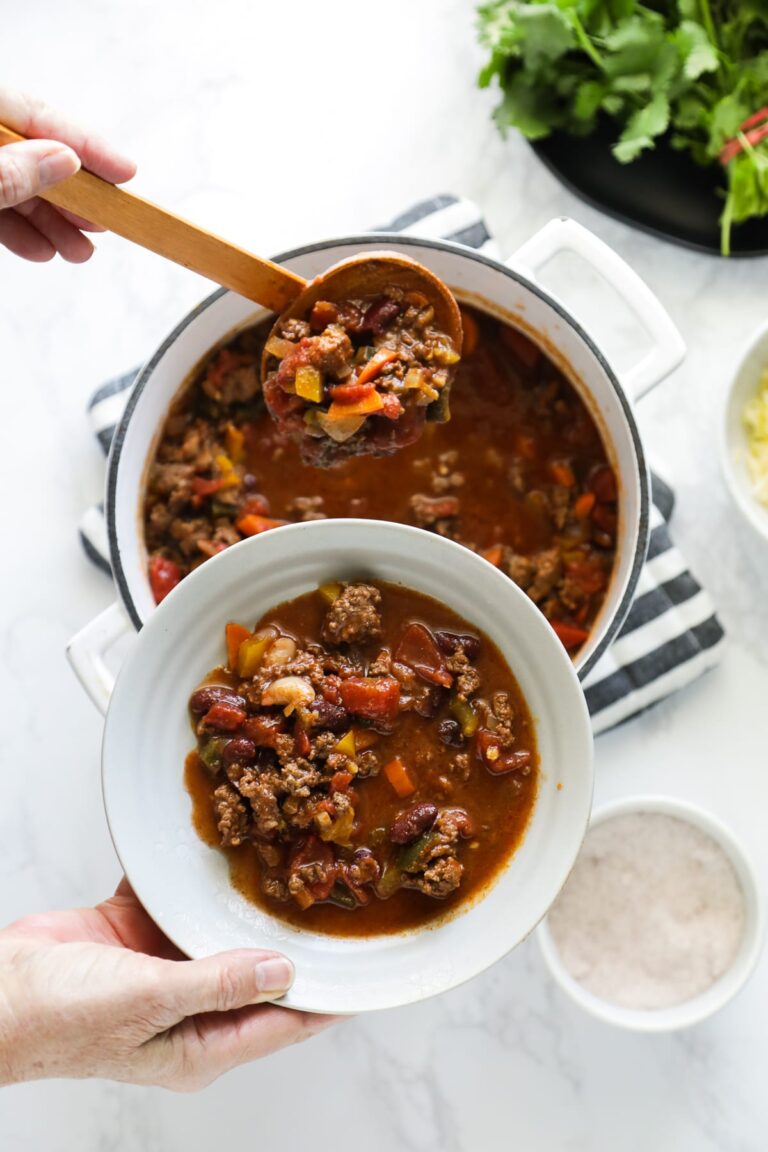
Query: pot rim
[{"x": 616, "y": 620}]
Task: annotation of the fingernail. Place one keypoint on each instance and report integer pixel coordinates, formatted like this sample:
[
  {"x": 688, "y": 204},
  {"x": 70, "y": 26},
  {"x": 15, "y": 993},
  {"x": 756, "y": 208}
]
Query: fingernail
[
  {"x": 57, "y": 165},
  {"x": 275, "y": 974}
]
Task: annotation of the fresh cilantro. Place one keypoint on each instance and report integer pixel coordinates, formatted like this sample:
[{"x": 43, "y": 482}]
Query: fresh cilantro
[{"x": 692, "y": 71}]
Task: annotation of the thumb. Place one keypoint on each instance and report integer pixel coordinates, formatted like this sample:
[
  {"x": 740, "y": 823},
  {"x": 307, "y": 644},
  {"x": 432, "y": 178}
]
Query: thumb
[
  {"x": 222, "y": 982},
  {"x": 30, "y": 166}
]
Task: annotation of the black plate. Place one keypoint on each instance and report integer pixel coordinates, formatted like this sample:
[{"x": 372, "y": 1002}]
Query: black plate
[{"x": 662, "y": 192}]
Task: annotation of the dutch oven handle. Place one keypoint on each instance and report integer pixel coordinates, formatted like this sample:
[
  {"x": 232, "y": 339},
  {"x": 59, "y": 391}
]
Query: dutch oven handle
[
  {"x": 667, "y": 347},
  {"x": 86, "y": 651}
]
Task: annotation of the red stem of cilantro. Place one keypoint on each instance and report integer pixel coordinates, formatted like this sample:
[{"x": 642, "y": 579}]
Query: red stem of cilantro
[{"x": 754, "y": 129}]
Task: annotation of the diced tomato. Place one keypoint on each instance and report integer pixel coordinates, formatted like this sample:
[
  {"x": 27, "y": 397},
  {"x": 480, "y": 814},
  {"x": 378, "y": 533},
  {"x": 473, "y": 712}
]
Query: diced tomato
[
  {"x": 494, "y": 555},
  {"x": 419, "y": 650},
  {"x": 569, "y": 634},
  {"x": 603, "y": 484},
  {"x": 301, "y": 742},
  {"x": 329, "y": 689},
  {"x": 264, "y": 730},
  {"x": 235, "y": 635},
  {"x": 252, "y": 525},
  {"x": 312, "y": 850},
  {"x": 202, "y": 488},
  {"x": 525, "y": 350},
  {"x": 226, "y": 361},
  {"x": 375, "y": 698},
  {"x": 350, "y": 393},
  {"x": 340, "y": 781},
  {"x": 562, "y": 473},
  {"x": 590, "y": 577},
  {"x": 164, "y": 575},
  {"x": 210, "y": 548},
  {"x": 391, "y": 407},
  {"x": 323, "y": 313},
  {"x": 583, "y": 505},
  {"x": 224, "y": 717},
  {"x": 367, "y": 405}
]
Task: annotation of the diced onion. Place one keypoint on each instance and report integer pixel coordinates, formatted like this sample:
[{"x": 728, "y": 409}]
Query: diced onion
[{"x": 278, "y": 347}]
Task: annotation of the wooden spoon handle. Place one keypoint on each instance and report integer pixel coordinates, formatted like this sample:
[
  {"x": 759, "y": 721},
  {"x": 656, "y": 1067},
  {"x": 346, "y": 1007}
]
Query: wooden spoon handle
[{"x": 171, "y": 236}]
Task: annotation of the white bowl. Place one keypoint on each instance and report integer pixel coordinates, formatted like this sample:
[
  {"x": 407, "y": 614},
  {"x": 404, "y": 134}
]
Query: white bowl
[
  {"x": 184, "y": 885},
  {"x": 733, "y": 438},
  {"x": 718, "y": 995}
]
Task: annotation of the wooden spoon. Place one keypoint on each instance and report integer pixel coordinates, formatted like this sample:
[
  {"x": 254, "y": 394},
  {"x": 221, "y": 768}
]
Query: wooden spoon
[{"x": 276, "y": 288}]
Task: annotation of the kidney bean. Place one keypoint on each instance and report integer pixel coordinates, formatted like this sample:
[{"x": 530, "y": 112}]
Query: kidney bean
[
  {"x": 427, "y": 704},
  {"x": 203, "y": 699},
  {"x": 379, "y": 315},
  {"x": 333, "y": 717},
  {"x": 238, "y": 750},
  {"x": 452, "y": 642},
  {"x": 409, "y": 824},
  {"x": 224, "y": 717},
  {"x": 450, "y": 733}
]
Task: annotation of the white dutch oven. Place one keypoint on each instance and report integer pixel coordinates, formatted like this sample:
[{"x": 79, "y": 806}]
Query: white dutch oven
[{"x": 511, "y": 291}]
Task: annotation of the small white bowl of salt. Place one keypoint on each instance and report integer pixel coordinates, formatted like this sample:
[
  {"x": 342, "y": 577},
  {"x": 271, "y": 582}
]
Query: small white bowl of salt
[{"x": 660, "y": 923}]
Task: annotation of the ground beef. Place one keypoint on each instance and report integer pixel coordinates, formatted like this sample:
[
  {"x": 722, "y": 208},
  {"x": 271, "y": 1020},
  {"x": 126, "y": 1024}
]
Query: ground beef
[
  {"x": 441, "y": 878},
  {"x": 364, "y": 869},
  {"x": 434, "y": 511},
  {"x": 548, "y": 570},
  {"x": 367, "y": 764},
  {"x": 277, "y": 889},
  {"x": 306, "y": 508},
  {"x": 231, "y": 815},
  {"x": 261, "y": 790},
  {"x": 518, "y": 568},
  {"x": 503, "y": 716},
  {"x": 382, "y": 665},
  {"x": 572, "y": 593},
  {"x": 461, "y": 766},
  {"x": 171, "y": 481},
  {"x": 299, "y": 777},
  {"x": 518, "y": 475},
  {"x": 467, "y": 678},
  {"x": 238, "y": 386},
  {"x": 295, "y": 329},
  {"x": 353, "y": 618},
  {"x": 560, "y": 505}
]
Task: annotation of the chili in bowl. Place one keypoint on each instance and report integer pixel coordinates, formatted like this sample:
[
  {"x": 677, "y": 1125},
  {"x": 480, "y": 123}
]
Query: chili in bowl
[{"x": 393, "y": 841}]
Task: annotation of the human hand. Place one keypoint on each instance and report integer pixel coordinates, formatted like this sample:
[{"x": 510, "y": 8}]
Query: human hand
[
  {"x": 102, "y": 992},
  {"x": 29, "y": 226}
]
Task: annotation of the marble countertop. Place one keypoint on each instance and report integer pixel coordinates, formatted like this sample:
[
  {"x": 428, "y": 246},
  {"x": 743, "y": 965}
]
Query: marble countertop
[{"x": 230, "y": 133}]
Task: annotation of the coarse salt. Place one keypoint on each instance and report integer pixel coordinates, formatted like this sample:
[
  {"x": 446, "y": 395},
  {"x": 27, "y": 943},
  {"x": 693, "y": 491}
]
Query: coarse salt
[{"x": 652, "y": 914}]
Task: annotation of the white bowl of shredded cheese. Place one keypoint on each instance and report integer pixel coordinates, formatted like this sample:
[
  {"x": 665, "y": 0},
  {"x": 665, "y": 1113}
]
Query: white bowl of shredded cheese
[
  {"x": 744, "y": 436},
  {"x": 660, "y": 923}
]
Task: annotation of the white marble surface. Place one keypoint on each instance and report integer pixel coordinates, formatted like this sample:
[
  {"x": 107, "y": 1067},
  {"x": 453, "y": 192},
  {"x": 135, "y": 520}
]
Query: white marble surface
[{"x": 230, "y": 131}]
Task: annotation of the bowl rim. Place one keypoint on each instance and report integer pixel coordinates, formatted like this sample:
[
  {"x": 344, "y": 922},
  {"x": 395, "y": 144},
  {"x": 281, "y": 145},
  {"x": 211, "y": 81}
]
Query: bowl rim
[
  {"x": 613, "y": 624},
  {"x": 157, "y": 626},
  {"x": 746, "y": 504},
  {"x": 730, "y": 983}
]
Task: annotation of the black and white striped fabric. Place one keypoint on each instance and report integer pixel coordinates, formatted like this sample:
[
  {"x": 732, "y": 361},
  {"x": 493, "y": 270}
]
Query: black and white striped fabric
[{"x": 671, "y": 634}]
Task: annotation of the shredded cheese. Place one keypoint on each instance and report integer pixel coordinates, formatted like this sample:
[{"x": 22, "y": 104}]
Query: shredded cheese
[{"x": 756, "y": 426}]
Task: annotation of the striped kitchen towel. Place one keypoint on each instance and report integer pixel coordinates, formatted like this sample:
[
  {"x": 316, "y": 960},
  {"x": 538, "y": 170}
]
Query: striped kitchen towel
[{"x": 671, "y": 634}]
